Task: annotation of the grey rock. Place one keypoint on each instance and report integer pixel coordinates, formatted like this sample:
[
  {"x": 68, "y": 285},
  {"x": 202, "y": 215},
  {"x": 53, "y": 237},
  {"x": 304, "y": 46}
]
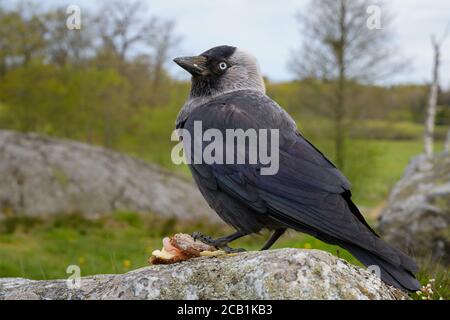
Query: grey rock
[
  {"x": 48, "y": 176},
  {"x": 274, "y": 274},
  {"x": 417, "y": 218}
]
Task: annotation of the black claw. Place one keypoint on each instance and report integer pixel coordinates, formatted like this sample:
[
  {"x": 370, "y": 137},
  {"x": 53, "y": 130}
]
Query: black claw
[
  {"x": 205, "y": 239},
  {"x": 196, "y": 235},
  {"x": 215, "y": 243},
  {"x": 228, "y": 249}
]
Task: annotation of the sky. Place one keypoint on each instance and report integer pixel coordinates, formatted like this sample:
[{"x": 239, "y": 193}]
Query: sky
[{"x": 269, "y": 30}]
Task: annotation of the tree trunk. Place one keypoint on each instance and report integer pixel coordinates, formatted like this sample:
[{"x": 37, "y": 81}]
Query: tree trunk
[
  {"x": 339, "y": 142},
  {"x": 432, "y": 102},
  {"x": 339, "y": 138}
]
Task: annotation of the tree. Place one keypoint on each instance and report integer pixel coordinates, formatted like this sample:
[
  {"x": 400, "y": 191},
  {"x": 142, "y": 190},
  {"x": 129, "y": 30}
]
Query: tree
[
  {"x": 67, "y": 46},
  {"x": 162, "y": 42},
  {"x": 340, "y": 50},
  {"x": 122, "y": 25},
  {"x": 93, "y": 84},
  {"x": 433, "y": 95},
  {"x": 131, "y": 39},
  {"x": 22, "y": 39}
]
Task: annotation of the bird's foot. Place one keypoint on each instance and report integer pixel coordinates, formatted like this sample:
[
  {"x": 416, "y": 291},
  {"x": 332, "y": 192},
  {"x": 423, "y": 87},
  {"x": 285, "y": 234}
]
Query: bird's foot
[
  {"x": 218, "y": 243},
  {"x": 228, "y": 249},
  {"x": 204, "y": 238}
]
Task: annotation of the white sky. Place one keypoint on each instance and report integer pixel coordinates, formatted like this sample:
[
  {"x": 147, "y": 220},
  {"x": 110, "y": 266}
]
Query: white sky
[{"x": 268, "y": 29}]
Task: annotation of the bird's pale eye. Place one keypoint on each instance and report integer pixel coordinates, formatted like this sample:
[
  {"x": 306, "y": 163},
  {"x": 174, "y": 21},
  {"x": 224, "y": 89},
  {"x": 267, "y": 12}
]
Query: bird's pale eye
[{"x": 223, "y": 66}]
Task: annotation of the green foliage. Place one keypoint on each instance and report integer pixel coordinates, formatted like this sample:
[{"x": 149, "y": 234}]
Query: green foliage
[
  {"x": 78, "y": 104},
  {"x": 394, "y": 130},
  {"x": 150, "y": 130}
]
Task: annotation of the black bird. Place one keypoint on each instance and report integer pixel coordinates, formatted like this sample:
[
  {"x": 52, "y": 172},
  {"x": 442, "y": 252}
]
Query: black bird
[{"x": 307, "y": 194}]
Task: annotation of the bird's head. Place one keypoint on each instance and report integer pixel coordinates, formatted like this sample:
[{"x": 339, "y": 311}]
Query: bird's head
[{"x": 222, "y": 69}]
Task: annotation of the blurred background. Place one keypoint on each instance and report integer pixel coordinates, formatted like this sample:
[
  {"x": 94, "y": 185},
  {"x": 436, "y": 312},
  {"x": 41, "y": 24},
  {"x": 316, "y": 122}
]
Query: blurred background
[{"x": 89, "y": 96}]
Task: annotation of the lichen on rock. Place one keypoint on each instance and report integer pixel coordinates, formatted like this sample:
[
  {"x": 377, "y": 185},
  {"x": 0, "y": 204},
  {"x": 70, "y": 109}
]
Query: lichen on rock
[
  {"x": 417, "y": 218},
  {"x": 274, "y": 274},
  {"x": 44, "y": 176}
]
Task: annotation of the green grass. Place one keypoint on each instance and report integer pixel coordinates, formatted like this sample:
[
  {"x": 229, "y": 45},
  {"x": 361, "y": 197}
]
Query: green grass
[
  {"x": 394, "y": 130},
  {"x": 391, "y": 159},
  {"x": 37, "y": 249},
  {"x": 435, "y": 279}
]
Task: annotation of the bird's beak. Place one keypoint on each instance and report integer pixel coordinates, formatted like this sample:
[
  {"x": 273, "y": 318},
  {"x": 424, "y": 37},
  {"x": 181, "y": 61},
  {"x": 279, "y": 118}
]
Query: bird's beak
[{"x": 194, "y": 65}]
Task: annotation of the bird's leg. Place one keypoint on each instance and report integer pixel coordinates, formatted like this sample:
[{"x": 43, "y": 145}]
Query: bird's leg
[
  {"x": 221, "y": 242},
  {"x": 275, "y": 236}
]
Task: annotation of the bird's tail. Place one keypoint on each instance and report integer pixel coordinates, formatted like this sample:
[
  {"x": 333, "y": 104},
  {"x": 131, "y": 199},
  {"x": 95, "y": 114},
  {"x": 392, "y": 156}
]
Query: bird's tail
[{"x": 399, "y": 275}]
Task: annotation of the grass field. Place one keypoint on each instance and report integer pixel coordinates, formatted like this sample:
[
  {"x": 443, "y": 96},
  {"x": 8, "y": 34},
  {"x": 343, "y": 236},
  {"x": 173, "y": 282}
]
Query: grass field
[{"x": 37, "y": 249}]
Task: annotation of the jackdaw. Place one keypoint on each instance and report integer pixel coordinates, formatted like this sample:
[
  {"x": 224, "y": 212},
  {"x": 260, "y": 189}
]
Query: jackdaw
[{"x": 307, "y": 194}]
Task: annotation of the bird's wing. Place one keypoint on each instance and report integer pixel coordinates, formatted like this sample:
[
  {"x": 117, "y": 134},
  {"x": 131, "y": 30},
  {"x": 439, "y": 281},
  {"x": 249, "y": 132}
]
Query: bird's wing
[{"x": 308, "y": 192}]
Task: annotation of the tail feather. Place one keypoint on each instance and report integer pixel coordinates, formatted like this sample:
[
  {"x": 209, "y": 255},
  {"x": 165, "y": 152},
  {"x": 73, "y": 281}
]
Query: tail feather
[
  {"x": 396, "y": 268},
  {"x": 398, "y": 276}
]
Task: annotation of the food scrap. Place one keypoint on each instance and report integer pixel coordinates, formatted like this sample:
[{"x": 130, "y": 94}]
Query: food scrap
[{"x": 182, "y": 247}]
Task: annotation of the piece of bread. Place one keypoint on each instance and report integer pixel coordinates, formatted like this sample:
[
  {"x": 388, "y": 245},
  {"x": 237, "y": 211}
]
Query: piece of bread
[{"x": 182, "y": 247}]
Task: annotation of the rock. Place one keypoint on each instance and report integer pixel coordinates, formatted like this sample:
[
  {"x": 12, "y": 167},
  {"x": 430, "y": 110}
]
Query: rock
[
  {"x": 48, "y": 176},
  {"x": 274, "y": 274},
  {"x": 417, "y": 218}
]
